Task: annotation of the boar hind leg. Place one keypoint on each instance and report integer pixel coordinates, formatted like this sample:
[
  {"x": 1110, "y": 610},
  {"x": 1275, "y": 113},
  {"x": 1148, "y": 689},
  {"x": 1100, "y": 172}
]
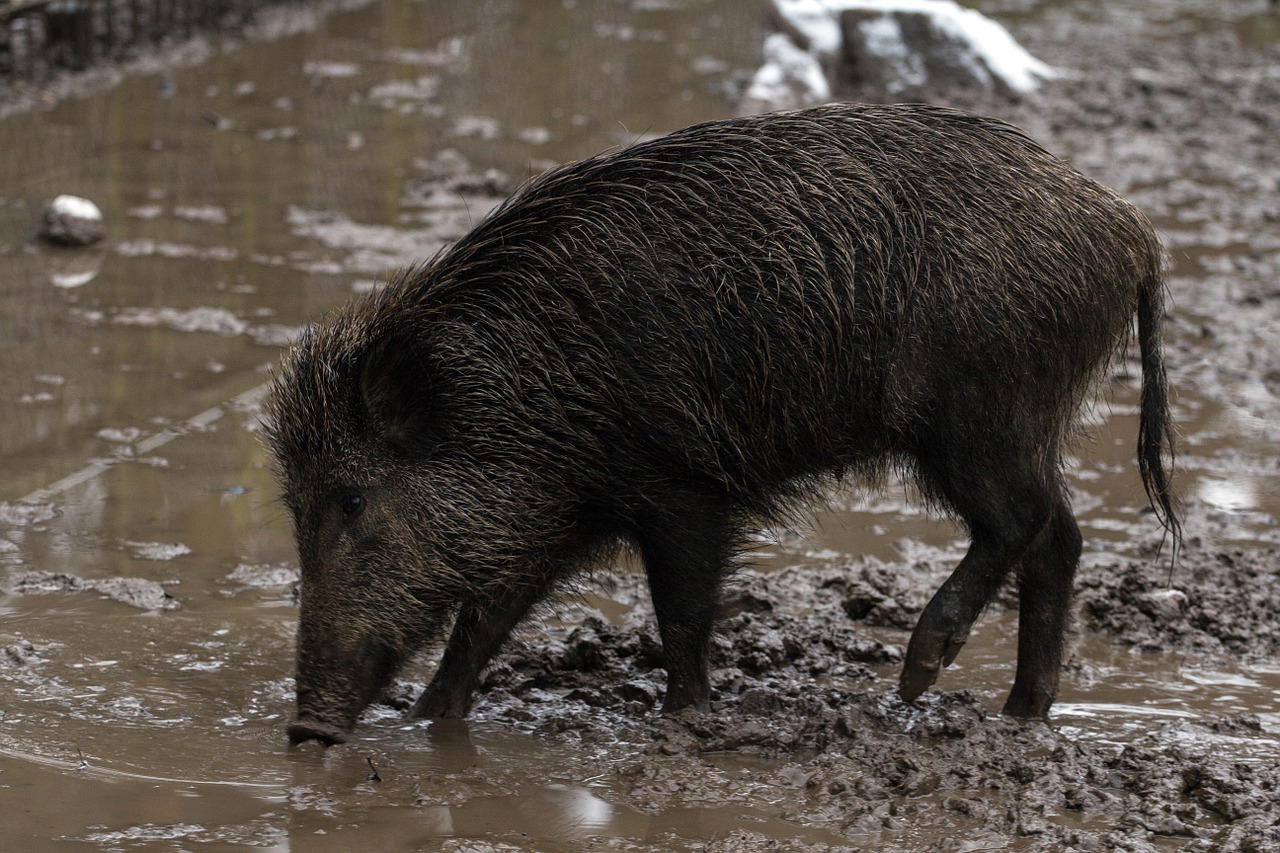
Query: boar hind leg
[
  {"x": 1006, "y": 506},
  {"x": 686, "y": 557},
  {"x": 1044, "y": 600},
  {"x": 478, "y": 634}
]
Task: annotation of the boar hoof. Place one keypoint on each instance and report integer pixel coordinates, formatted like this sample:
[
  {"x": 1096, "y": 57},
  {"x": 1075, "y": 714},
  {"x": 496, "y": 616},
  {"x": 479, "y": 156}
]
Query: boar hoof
[
  {"x": 437, "y": 703},
  {"x": 930, "y": 650},
  {"x": 681, "y": 696},
  {"x": 916, "y": 680},
  {"x": 303, "y": 730},
  {"x": 1030, "y": 704}
]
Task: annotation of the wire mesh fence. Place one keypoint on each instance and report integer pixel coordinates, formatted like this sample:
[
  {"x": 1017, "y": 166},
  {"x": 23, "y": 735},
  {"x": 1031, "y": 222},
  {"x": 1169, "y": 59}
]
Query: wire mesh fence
[{"x": 40, "y": 37}]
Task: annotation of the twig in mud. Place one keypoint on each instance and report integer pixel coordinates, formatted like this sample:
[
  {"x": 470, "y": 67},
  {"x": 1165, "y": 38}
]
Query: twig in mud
[
  {"x": 83, "y": 765},
  {"x": 373, "y": 772}
]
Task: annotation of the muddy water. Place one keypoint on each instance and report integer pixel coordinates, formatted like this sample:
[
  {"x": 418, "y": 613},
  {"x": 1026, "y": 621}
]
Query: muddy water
[{"x": 264, "y": 185}]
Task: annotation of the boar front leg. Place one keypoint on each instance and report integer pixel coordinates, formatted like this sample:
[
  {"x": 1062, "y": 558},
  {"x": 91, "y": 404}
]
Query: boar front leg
[
  {"x": 478, "y": 634},
  {"x": 687, "y": 554}
]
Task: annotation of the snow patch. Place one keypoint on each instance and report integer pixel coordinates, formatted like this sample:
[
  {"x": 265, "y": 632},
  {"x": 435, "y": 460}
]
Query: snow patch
[
  {"x": 802, "y": 60},
  {"x": 788, "y": 74}
]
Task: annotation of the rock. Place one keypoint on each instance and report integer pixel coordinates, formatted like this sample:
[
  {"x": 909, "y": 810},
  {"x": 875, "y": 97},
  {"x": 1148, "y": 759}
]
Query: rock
[
  {"x": 914, "y": 47},
  {"x": 888, "y": 50},
  {"x": 69, "y": 220}
]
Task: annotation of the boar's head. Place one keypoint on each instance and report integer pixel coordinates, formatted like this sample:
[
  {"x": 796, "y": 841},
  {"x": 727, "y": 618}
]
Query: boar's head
[{"x": 387, "y": 507}]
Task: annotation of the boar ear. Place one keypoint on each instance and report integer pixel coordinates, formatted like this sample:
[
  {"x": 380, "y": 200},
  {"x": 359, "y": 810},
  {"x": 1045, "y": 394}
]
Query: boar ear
[{"x": 396, "y": 385}]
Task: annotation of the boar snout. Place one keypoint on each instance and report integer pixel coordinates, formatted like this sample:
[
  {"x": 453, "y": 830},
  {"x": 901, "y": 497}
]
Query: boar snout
[
  {"x": 306, "y": 728},
  {"x": 335, "y": 684}
]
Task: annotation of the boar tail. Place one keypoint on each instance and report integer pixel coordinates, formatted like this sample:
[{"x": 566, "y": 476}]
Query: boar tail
[{"x": 1155, "y": 433}]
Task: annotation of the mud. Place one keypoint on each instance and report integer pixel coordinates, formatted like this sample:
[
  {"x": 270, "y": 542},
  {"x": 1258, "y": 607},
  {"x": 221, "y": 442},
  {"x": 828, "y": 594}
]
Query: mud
[
  {"x": 138, "y": 592},
  {"x": 261, "y": 183},
  {"x": 1220, "y": 603},
  {"x": 800, "y": 683}
]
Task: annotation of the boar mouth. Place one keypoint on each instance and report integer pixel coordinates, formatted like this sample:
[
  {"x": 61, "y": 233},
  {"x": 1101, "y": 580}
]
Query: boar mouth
[
  {"x": 306, "y": 728},
  {"x": 329, "y": 706}
]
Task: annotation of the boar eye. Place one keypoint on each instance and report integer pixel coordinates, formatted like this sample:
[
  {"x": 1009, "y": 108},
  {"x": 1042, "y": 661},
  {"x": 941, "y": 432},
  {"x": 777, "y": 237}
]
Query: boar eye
[{"x": 351, "y": 505}]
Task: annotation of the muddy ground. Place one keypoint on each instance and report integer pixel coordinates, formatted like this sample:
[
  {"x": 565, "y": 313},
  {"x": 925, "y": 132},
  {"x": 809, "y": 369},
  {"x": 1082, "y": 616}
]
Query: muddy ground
[
  {"x": 805, "y": 724},
  {"x": 855, "y": 759}
]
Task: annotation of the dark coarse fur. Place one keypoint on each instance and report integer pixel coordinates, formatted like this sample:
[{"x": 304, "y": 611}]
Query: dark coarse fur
[{"x": 659, "y": 346}]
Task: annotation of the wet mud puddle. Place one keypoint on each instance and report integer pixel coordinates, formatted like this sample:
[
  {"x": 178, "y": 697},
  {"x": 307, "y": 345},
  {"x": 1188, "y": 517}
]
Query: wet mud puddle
[{"x": 146, "y": 600}]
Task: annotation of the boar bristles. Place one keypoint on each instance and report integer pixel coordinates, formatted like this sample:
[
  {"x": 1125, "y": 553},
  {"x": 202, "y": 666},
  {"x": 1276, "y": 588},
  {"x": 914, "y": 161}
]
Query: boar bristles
[{"x": 664, "y": 346}]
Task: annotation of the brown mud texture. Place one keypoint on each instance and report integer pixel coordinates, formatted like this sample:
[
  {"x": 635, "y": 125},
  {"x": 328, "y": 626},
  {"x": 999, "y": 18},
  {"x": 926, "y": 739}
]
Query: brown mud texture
[{"x": 860, "y": 762}]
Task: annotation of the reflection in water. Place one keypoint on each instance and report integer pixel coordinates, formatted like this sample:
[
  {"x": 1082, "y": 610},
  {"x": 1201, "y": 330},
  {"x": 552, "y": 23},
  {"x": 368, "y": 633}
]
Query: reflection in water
[
  {"x": 560, "y": 811},
  {"x": 1234, "y": 494},
  {"x": 69, "y": 268}
]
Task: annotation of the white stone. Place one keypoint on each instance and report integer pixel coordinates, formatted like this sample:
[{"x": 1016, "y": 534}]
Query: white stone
[
  {"x": 69, "y": 220},
  {"x": 75, "y": 207}
]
